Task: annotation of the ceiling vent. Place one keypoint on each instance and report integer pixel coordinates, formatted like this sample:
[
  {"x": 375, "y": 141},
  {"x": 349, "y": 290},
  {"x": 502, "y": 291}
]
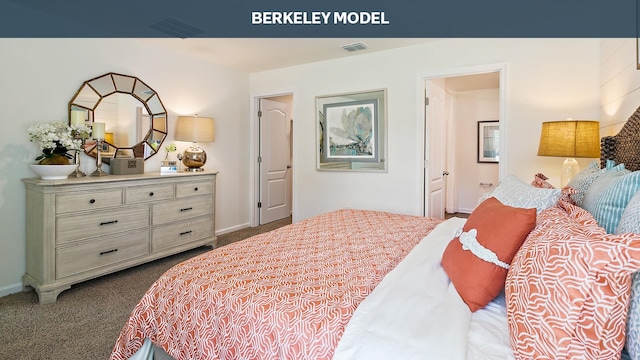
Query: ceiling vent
[
  {"x": 354, "y": 47},
  {"x": 177, "y": 28}
]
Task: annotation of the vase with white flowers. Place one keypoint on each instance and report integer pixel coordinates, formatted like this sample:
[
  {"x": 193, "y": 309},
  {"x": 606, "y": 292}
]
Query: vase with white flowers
[{"x": 56, "y": 139}]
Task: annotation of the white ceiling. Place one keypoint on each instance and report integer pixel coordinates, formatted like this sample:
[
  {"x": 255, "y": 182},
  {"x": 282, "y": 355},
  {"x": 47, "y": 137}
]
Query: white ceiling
[{"x": 254, "y": 55}]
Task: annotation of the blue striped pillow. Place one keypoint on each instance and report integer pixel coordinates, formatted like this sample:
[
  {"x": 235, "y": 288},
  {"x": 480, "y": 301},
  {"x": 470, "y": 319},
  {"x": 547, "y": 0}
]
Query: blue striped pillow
[{"x": 609, "y": 195}]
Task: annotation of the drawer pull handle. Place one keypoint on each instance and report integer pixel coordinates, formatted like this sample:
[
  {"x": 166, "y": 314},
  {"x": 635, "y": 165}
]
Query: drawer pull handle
[
  {"x": 151, "y": 193},
  {"x": 108, "y": 251},
  {"x": 186, "y": 209},
  {"x": 109, "y": 222},
  {"x": 185, "y": 232},
  {"x": 92, "y": 201},
  {"x": 195, "y": 189}
]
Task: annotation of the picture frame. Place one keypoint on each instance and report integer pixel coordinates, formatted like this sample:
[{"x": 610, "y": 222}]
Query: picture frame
[
  {"x": 352, "y": 131},
  {"x": 489, "y": 141}
]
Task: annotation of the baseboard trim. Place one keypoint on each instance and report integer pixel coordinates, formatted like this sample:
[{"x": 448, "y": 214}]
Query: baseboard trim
[
  {"x": 11, "y": 289},
  {"x": 465, "y": 211},
  {"x": 232, "y": 229}
]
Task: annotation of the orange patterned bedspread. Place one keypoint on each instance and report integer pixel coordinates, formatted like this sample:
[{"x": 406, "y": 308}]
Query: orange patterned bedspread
[{"x": 286, "y": 294}]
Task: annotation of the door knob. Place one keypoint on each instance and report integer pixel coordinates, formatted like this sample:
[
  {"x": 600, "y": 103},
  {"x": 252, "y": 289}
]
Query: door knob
[{"x": 288, "y": 166}]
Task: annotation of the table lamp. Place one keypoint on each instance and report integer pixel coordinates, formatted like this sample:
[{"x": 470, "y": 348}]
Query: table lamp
[
  {"x": 570, "y": 139},
  {"x": 195, "y": 129}
]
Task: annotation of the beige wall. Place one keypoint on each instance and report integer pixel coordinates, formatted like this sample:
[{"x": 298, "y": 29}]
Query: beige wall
[
  {"x": 619, "y": 83},
  {"x": 545, "y": 79},
  {"x": 38, "y": 77}
]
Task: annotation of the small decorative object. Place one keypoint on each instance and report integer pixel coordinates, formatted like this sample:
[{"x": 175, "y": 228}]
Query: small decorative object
[
  {"x": 169, "y": 167},
  {"x": 169, "y": 149},
  {"x": 195, "y": 129},
  {"x": 179, "y": 157},
  {"x": 55, "y": 141},
  {"x": 97, "y": 132},
  {"x": 126, "y": 166},
  {"x": 79, "y": 131}
]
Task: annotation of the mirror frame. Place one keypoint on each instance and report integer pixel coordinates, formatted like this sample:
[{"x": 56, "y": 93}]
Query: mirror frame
[{"x": 93, "y": 91}]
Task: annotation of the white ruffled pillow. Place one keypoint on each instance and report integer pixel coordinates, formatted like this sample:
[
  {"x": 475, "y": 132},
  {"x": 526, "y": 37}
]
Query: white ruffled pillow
[{"x": 514, "y": 192}]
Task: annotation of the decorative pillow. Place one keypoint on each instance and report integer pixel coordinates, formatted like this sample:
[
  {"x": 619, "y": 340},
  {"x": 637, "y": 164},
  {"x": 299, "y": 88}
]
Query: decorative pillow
[
  {"x": 609, "y": 195},
  {"x": 630, "y": 219},
  {"x": 568, "y": 287},
  {"x": 583, "y": 179},
  {"x": 630, "y": 223},
  {"x": 478, "y": 258},
  {"x": 540, "y": 181},
  {"x": 514, "y": 192}
]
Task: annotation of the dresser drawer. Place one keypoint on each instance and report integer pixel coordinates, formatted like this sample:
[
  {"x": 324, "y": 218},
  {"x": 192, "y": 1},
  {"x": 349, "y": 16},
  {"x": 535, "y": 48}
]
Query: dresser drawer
[
  {"x": 88, "y": 201},
  {"x": 146, "y": 193},
  {"x": 72, "y": 260},
  {"x": 72, "y": 228},
  {"x": 181, "y": 209},
  {"x": 194, "y": 188},
  {"x": 166, "y": 236}
]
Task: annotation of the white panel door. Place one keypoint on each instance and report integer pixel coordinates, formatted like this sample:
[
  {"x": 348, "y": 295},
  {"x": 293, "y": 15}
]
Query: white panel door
[
  {"x": 275, "y": 161},
  {"x": 435, "y": 150}
]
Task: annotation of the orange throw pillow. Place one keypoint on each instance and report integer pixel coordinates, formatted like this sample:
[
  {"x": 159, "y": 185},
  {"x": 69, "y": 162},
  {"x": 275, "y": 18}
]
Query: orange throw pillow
[{"x": 492, "y": 228}]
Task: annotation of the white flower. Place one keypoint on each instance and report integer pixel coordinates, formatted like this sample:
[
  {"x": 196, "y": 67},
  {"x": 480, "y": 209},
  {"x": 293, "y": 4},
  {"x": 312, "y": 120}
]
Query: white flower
[{"x": 57, "y": 134}]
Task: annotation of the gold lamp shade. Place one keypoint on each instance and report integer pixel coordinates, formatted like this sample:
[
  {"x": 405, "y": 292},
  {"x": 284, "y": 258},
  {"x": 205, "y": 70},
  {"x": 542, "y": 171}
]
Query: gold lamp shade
[
  {"x": 195, "y": 129},
  {"x": 570, "y": 139}
]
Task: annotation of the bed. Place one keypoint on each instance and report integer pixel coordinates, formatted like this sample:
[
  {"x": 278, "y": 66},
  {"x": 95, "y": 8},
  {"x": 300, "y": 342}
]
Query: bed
[{"x": 534, "y": 272}]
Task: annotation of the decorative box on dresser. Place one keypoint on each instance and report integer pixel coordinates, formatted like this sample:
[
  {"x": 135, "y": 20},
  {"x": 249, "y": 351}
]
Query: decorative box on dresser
[{"x": 81, "y": 228}]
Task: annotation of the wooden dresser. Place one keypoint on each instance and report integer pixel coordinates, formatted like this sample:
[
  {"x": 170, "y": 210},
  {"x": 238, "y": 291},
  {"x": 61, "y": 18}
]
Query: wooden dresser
[{"x": 82, "y": 228}]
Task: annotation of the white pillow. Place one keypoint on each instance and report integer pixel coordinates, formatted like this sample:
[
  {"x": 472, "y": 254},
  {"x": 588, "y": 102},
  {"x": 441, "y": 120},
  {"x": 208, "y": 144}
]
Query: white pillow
[{"x": 514, "y": 192}]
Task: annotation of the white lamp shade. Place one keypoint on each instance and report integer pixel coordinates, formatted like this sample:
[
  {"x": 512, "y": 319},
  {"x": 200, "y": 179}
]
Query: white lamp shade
[
  {"x": 97, "y": 130},
  {"x": 195, "y": 129}
]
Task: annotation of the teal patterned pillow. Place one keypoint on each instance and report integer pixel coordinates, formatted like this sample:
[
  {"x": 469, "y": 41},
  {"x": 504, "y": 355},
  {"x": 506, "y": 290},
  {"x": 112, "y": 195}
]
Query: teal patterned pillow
[
  {"x": 582, "y": 180},
  {"x": 630, "y": 222},
  {"x": 609, "y": 195}
]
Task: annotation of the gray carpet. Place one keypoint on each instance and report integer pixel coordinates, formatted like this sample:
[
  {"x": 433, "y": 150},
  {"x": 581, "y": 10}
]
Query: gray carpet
[{"x": 86, "y": 320}]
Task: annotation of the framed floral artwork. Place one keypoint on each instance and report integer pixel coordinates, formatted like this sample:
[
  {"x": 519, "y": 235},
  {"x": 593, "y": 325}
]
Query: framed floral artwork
[{"x": 352, "y": 131}]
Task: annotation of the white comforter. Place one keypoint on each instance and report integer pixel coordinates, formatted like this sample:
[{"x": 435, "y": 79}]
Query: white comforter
[{"x": 416, "y": 313}]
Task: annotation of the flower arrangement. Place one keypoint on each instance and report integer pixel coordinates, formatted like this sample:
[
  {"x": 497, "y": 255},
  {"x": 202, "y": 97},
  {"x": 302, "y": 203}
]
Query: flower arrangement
[
  {"x": 169, "y": 149},
  {"x": 56, "y": 139}
]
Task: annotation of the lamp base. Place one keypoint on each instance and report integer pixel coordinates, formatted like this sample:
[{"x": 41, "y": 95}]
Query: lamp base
[
  {"x": 194, "y": 158},
  {"x": 569, "y": 169}
]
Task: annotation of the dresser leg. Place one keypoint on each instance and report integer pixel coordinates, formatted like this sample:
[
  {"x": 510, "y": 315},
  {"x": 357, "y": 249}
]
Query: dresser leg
[{"x": 50, "y": 296}]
